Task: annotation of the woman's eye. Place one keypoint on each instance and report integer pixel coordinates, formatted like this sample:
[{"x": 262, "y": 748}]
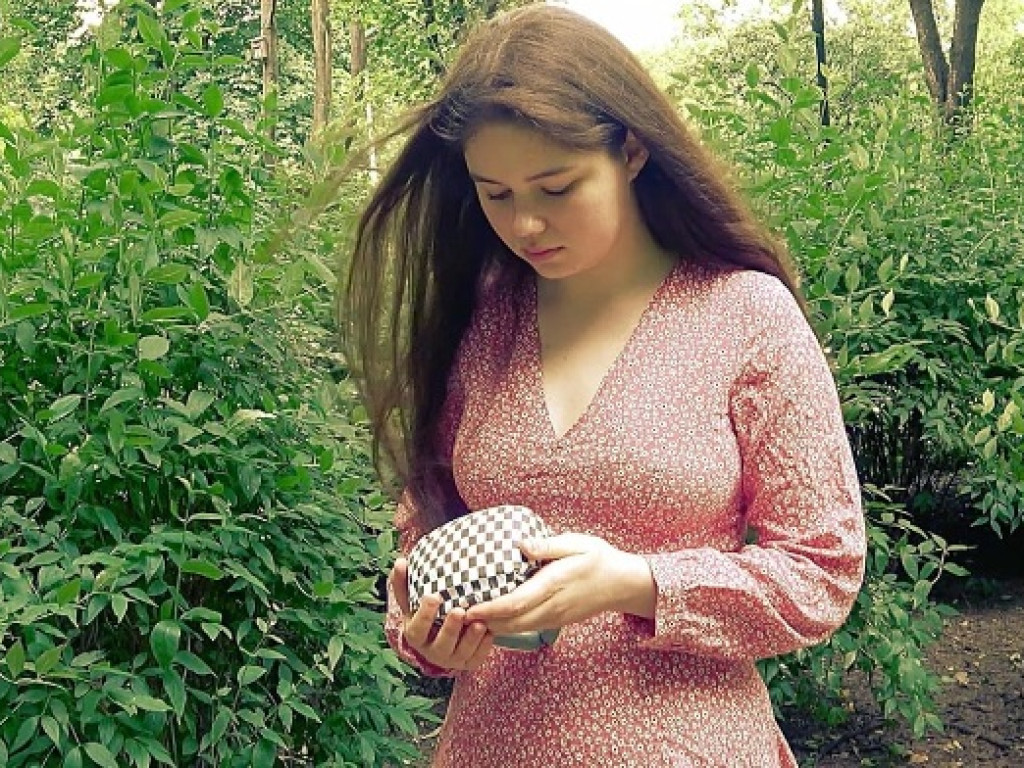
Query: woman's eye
[
  {"x": 499, "y": 196},
  {"x": 558, "y": 192}
]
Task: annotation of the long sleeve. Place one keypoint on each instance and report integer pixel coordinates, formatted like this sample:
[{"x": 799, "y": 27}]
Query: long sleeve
[{"x": 797, "y": 583}]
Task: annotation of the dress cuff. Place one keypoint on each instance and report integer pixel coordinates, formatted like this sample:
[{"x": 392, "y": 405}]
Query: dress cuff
[
  {"x": 412, "y": 656},
  {"x": 674, "y": 575}
]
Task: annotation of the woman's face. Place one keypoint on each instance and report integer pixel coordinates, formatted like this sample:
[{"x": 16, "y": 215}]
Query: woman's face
[{"x": 563, "y": 211}]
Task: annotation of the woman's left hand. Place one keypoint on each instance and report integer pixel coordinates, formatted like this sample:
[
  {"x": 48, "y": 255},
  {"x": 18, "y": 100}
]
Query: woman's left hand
[{"x": 583, "y": 576}]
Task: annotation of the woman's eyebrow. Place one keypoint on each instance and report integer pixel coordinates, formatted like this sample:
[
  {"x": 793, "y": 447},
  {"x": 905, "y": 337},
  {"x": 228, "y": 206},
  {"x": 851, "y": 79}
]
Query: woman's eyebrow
[{"x": 535, "y": 177}]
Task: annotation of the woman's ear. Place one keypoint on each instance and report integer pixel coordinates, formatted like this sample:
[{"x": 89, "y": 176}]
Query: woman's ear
[{"x": 636, "y": 155}]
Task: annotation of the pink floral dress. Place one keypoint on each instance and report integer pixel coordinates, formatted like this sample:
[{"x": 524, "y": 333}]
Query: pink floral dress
[{"x": 718, "y": 417}]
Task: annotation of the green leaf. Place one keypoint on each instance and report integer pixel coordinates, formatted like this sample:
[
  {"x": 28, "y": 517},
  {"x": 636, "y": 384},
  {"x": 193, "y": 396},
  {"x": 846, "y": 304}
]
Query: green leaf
[
  {"x": 781, "y": 131},
  {"x": 753, "y": 74},
  {"x": 213, "y": 100},
  {"x": 334, "y": 650},
  {"x": 119, "y": 58},
  {"x": 305, "y": 710},
  {"x": 148, "y": 703},
  {"x": 249, "y": 674},
  {"x": 988, "y": 402},
  {"x": 169, "y": 274},
  {"x": 48, "y": 660},
  {"x": 198, "y": 401},
  {"x": 114, "y": 94},
  {"x": 992, "y": 308},
  {"x": 164, "y": 639},
  {"x": 63, "y": 406},
  {"x": 100, "y": 755},
  {"x": 121, "y": 396},
  {"x": 9, "y": 47},
  {"x": 159, "y": 314},
  {"x": 29, "y": 310},
  {"x": 51, "y": 729},
  {"x": 198, "y": 301},
  {"x": 73, "y": 759},
  {"x": 44, "y": 188},
  {"x": 174, "y": 687},
  {"x": 179, "y": 217},
  {"x": 25, "y": 732},
  {"x": 321, "y": 269},
  {"x": 264, "y": 754},
  {"x": 240, "y": 284},
  {"x": 220, "y": 724},
  {"x": 8, "y": 453},
  {"x": 852, "y": 278},
  {"x": 887, "y": 302},
  {"x": 885, "y": 269},
  {"x": 151, "y": 30},
  {"x": 153, "y": 347},
  {"x": 15, "y": 658},
  {"x": 119, "y": 605},
  {"x": 202, "y": 568},
  {"x": 68, "y": 593},
  {"x": 192, "y": 663},
  {"x": 25, "y": 335}
]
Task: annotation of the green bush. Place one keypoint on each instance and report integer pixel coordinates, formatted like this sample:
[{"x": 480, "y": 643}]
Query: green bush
[
  {"x": 906, "y": 238},
  {"x": 190, "y": 537}
]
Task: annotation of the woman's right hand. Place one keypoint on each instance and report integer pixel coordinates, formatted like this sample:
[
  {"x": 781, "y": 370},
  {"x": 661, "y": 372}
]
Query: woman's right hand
[{"x": 455, "y": 645}]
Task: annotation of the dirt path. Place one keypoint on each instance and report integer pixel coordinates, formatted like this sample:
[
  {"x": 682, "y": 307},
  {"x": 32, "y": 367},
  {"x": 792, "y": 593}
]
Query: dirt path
[{"x": 981, "y": 661}]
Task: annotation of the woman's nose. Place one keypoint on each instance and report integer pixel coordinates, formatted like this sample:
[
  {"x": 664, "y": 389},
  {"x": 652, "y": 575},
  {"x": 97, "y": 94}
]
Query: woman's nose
[{"x": 526, "y": 224}]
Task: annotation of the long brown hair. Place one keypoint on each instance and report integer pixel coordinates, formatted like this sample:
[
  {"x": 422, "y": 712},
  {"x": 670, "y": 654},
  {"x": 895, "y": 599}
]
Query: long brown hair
[{"x": 423, "y": 245}]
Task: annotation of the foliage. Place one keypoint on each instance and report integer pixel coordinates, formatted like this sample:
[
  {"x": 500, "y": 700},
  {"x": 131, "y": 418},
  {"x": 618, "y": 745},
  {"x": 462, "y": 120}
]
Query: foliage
[
  {"x": 906, "y": 241},
  {"x": 190, "y": 538}
]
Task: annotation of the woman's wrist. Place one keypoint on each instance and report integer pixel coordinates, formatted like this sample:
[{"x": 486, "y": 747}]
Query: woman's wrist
[{"x": 635, "y": 590}]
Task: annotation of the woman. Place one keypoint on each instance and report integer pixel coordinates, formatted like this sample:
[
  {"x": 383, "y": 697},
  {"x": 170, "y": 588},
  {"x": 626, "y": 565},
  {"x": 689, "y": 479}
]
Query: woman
[{"x": 555, "y": 300}]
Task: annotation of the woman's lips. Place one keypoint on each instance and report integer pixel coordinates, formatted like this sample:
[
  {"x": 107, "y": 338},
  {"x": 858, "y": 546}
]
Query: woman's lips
[{"x": 541, "y": 253}]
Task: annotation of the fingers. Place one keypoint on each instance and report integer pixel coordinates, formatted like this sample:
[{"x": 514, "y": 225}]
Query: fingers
[
  {"x": 456, "y": 644},
  {"x": 418, "y": 627},
  {"x": 562, "y": 545},
  {"x": 448, "y": 636},
  {"x": 399, "y": 581}
]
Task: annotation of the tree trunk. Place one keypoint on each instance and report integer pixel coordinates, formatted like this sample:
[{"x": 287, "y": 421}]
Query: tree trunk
[
  {"x": 950, "y": 82},
  {"x": 321, "y": 23},
  {"x": 268, "y": 39},
  {"x": 962, "y": 57},
  {"x": 357, "y": 68},
  {"x": 818, "y": 27}
]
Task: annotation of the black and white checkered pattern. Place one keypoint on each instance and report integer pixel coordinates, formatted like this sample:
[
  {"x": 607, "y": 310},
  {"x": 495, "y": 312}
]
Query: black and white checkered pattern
[{"x": 474, "y": 558}]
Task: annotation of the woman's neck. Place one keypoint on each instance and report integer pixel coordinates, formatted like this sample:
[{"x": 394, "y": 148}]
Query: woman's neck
[{"x": 637, "y": 276}]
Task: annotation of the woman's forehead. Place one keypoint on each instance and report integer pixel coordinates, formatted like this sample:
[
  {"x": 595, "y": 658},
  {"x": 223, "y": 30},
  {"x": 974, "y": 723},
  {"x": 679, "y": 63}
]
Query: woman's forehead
[{"x": 497, "y": 151}]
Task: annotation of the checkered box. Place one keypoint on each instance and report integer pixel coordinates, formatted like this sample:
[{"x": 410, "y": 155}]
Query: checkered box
[{"x": 474, "y": 558}]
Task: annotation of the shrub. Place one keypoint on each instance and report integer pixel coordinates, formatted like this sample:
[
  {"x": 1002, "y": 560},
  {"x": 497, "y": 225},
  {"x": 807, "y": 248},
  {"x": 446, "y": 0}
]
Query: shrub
[{"x": 190, "y": 538}]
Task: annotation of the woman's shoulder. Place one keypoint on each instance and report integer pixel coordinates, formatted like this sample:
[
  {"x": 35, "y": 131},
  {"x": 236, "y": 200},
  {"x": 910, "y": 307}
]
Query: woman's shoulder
[
  {"x": 747, "y": 303},
  {"x": 751, "y": 294}
]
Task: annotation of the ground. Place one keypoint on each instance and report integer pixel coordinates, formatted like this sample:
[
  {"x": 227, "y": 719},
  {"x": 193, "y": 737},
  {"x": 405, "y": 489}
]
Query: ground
[{"x": 981, "y": 660}]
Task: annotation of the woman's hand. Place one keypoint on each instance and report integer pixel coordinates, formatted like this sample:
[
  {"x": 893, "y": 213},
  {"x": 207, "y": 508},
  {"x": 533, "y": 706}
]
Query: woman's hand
[
  {"x": 458, "y": 644},
  {"x": 583, "y": 576}
]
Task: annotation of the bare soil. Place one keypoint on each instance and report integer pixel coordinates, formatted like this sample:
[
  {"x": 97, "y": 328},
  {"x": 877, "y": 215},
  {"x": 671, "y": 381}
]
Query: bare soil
[{"x": 980, "y": 658}]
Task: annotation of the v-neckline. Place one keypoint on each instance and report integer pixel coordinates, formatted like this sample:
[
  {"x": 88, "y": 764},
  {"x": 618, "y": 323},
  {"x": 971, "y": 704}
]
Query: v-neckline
[{"x": 537, "y": 361}]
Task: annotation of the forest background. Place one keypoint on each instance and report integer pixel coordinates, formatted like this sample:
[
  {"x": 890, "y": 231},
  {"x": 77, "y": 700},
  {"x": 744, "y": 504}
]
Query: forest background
[{"x": 192, "y": 539}]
